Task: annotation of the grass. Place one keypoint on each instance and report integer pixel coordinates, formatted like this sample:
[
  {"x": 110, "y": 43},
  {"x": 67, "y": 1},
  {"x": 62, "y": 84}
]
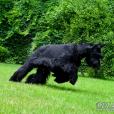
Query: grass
[{"x": 52, "y": 98}]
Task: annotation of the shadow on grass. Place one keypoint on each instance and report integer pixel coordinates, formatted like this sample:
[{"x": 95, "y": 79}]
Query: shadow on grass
[
  {"x": 61, "y": 88},
  {"x": 70, "y": 89},
  {"x": 74, "y": 90},
  {"x": 91, "y": 92}
]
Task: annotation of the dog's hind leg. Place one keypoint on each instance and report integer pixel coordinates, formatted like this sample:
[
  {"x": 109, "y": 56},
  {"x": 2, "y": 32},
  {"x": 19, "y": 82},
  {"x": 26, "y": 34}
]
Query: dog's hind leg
[
  {"x": 23, "y": 70},
  {"x": 40, "y": 77},
  {"x": 30, "y": 78},
  {"x": 21, "y": 73},
  {"x": 32, "y": 62}
]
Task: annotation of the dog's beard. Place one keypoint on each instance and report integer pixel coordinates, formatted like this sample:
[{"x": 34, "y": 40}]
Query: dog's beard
[{"x": 92, "y": 62}]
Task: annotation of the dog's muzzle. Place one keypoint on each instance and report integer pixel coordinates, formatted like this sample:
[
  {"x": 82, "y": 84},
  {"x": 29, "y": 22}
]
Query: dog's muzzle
[{"x": 99, "y": 55}]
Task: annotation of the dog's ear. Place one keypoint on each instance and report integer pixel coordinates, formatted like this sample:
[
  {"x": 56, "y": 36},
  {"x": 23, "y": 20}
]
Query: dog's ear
[{"x": 99, "y": 46}]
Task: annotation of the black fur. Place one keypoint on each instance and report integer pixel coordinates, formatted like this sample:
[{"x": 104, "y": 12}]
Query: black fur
[{"x": 63, "y": 60}]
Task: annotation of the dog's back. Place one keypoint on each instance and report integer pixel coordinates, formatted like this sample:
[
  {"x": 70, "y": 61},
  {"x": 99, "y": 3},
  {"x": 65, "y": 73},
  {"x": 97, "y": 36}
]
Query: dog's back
[{"x": 54, "y": 50}]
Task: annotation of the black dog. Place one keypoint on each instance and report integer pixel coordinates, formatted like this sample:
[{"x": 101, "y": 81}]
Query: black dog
[{"x": 63, "y": 60}]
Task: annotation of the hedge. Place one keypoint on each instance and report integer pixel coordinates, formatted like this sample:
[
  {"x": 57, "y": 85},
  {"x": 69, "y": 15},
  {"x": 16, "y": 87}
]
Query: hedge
[{"x": 28, "y": 24}]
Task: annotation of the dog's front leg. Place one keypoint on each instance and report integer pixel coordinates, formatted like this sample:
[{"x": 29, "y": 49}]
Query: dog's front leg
[
  {"x": 72, "y": 70},
  {"x": 73, "y": 78},
  {"x": 73, "y": 75}
]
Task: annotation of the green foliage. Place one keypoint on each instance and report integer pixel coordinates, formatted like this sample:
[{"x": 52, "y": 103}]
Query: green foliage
[
  {"x": 5, "y": 6},
  {"x": 19, "y": 48},
  {"x": 24, "y": 16},
  {"x": 28, "y": 24},
  {"x": 91, "y": 73},
  {"x": 21, "y": 25},
  {"x": 3, "y": 54},
  {"x": 46, "y": 34},
  {"x": 107, "y": 65},
  {"x": 85, "y": 21},
  {"x": 47, "y": 37},
  {"x": 81, "y": 21}
]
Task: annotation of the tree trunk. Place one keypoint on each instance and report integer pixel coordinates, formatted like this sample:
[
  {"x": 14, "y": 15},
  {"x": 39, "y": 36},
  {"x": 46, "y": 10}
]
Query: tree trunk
[{"x": 81, "y": 72}]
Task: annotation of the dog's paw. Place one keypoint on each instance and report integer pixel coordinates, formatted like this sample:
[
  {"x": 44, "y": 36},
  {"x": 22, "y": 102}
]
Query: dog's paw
[
  {"x": 72, "y": 81},
  {"x": 56, "y": 80},
  {"x": 54, "y": 75},
  {"x": 14, "y": 80}
]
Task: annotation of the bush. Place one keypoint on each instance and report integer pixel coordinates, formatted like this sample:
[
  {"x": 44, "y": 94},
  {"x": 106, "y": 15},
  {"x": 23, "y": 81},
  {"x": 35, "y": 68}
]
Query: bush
[
  {"x": 60, "y": 21},
  {"x": 19, "y": 25},
  {"x": 81, "y": 20},
  {"x": 107, "y": 64},
  {"x": 91, "y": 73},
  {"x": 19, "y": 47},
  {"x": 85, "y": 21},
  {"x": 3, "y": 54}
]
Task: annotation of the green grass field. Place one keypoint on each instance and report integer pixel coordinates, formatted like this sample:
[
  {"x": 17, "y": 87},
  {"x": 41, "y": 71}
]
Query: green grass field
[{"x": 52, "y": 98}]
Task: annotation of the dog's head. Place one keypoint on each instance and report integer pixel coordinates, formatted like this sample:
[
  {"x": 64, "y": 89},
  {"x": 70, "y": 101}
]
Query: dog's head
[{"x": 94, "y": 55}]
